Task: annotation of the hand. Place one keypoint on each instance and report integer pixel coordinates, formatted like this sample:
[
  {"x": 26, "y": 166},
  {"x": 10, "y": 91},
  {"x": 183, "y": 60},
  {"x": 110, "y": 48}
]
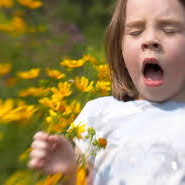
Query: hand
[{"x": 52, "y": 154}]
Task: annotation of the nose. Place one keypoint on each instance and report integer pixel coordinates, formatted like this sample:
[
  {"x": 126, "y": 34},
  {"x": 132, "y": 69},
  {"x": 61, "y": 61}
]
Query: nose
[
  {"x": 153, "y": 45},
  {"x": 151, "y": 39}
]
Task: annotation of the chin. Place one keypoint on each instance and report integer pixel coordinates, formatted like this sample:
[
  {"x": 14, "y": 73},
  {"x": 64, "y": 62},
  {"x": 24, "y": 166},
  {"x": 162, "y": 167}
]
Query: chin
[{"x": 154, "y": 98}]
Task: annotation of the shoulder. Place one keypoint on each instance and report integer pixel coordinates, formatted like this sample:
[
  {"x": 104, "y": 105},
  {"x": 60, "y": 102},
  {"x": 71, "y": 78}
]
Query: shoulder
[
  {"x": 108, "y": 106},
  {"x": 105, "y": 109},
  {"x": 105, "y": 104},
  {"x": 103, "y": 101},
  {"x": 109, "y": 102},
  {"x": 94, "y": 109}
]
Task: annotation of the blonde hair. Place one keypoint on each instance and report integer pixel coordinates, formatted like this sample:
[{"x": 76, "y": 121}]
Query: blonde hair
[{"x": 122, "y": 85}]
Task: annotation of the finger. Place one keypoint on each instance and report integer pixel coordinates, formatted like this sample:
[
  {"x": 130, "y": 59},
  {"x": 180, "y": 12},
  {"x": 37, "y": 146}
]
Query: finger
[
  {"x": 38, "y": 154},
  {"x": 36, "y": 164},
  {"x": 39, "y": 144},
  {"x": 58, "y": 139},
  {"x": 41, "y": 136}
]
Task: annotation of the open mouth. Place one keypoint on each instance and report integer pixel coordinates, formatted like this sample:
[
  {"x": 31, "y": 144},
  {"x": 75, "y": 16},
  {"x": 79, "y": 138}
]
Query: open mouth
[{"x": 152, "y": 72}]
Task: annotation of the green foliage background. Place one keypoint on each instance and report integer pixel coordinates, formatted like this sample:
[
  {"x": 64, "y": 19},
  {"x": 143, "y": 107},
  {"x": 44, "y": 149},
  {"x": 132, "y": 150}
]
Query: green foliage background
[{"x": 66, "y": 28}]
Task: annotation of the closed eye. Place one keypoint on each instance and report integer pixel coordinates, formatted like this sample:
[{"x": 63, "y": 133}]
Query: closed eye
[
  {"x": 135, "y": 33},
  {"x": 169, "y": 30}
]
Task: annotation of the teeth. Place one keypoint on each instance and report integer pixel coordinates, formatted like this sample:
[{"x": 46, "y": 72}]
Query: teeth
[{"x": 151, "y": 62}]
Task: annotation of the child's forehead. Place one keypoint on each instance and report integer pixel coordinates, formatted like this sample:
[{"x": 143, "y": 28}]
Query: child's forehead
[
  {"x": 154, "y": 4},
  {"x": 157, "y": 8}
]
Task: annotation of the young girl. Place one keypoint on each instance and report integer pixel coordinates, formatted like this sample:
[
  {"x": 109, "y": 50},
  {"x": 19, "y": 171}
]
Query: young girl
[{"x": 144, "y": 121}]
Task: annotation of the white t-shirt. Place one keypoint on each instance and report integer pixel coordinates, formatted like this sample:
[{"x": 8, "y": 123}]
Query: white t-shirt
[{"x": 146, "y": 141}]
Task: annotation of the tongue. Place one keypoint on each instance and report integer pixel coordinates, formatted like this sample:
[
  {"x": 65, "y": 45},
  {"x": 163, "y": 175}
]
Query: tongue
[{"x": 153, "y": 75}]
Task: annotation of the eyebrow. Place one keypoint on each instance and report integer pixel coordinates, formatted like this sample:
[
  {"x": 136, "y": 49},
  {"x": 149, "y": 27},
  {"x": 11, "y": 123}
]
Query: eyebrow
[
  {"x": 170, "y": 22},
  {"x": 134, "y": 24}
]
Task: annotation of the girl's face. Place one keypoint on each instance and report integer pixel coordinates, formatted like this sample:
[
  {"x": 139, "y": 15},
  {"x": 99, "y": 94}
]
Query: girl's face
[{"x": 153, "y": 48}]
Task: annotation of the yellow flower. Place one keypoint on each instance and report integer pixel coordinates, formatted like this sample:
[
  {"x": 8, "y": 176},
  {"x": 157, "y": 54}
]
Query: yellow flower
[
  {"x": 20, "y": 114},
  {"x": 81, "y": 176},
  {"x": 30, "y": 74},
  {"x": 103, "y": 72},
  {"x": 76, "y": 130},
  {"x": 30, "y": 3},
  {"x": 89, "y": 58},
  {"x": 50, "y": 103},
  {"x": 53, "y": 103},
  {"x": 18, "y": 25},
  {"x": 15, "y": 111},
  {"x": 19, "y": 178},
  {"x": 40, "y": 182},
  {"x": 14, "y": 27},
  {"x": 63, "y": 89},
  {"x": 55, "y": 74},
  {"x": 6, "y": 107},
  {"x": 33, "y": 91},
  {"x": 59, "y": 126},
  {"x": 51, "y": 117},
  {"x": 73, "y": 107},
  {"x": 6, "y": 3},
  {"x": 72, "y": 63},
  {"x": 52, "y": 179},
  {"x": 5, "y": 68},
  {"x": 25, "y": 154},
  {"x": 103, "y": 87},
  {"x": 54, "y": 119},
  {"x": 5, "y": 27},
  {"x": 82, "y": 83}
]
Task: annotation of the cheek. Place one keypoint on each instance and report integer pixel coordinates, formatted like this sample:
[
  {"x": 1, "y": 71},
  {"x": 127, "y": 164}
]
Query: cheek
[
  {"x": 176, "y": 57},
  {"x": 175, "y": 49},
  {"x": 131, "y": 56}
]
